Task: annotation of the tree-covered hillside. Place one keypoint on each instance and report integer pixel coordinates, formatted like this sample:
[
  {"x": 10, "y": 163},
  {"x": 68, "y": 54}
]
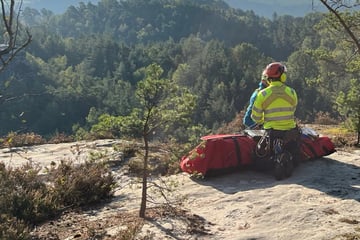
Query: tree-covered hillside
[
  {"x": 264, "y": 8},
  {"x": 86, "y": 63}
]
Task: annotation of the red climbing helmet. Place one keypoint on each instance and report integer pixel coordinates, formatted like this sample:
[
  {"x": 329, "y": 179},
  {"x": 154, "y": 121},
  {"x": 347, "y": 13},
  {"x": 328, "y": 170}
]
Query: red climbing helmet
[{"x": 274, "y": 70}]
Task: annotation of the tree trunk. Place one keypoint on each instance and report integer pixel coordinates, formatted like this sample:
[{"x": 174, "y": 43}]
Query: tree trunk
[
  {"x": 358, "y": 129},
  {"x": 144, "y": 179}
]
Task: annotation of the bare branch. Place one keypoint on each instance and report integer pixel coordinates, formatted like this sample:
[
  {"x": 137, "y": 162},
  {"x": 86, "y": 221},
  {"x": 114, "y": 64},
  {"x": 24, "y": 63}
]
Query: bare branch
[
  {"x": 9, "y": 49},
  {"x": 330, "y": 5}
]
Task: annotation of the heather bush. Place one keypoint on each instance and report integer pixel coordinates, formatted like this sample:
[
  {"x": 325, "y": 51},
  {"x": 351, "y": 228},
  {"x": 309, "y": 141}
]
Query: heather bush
[
  {"x": 13, "y": 229},
  {"x": 24, "y": 196},
  {"x": 83, "y": 184},
  {"x": 26, "y": 139},
  {"x": 29, "y": 197},
  {"x": 325, "y": 118}
]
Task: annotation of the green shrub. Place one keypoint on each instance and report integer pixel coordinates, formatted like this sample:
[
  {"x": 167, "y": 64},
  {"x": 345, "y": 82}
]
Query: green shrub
[
  {"x": 24, "y": 196},
  {"x": 81, "y": 133},
  {"x": 60, "y": 138},
  {"x": 13, "y": 229},
  {"x": 325, "y": 118},
  {"x": 163, "y": 159},
  {"x": 28, "y": 198},
  {"x": 26, "y": 139},
  {"x": 82, "y": 185},
  {"x": 107, "y": 127}
]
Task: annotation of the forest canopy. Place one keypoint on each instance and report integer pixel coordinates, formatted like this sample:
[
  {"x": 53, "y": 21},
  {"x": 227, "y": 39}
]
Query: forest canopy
[{"x": 84, "y": 65}]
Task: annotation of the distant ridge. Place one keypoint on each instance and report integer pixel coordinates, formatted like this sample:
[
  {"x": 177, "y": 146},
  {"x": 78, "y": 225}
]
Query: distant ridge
[
  {"x": 265, "y": 8},
  {"x": 56, "y": 6}
]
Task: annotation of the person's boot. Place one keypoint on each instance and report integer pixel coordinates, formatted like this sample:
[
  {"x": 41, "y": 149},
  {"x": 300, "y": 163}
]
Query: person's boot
[
  {"x": 283, "y": 166},
  {"x": 289, "y": 164}
]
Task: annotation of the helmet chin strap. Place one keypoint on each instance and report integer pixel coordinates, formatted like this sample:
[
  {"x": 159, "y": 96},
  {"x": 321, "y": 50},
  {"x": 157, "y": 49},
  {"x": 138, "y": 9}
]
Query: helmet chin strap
[{"x": 283, "y": 77}]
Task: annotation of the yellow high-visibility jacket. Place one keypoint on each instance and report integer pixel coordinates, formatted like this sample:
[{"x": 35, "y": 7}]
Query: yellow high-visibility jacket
[{"x": 275, "y": 106}]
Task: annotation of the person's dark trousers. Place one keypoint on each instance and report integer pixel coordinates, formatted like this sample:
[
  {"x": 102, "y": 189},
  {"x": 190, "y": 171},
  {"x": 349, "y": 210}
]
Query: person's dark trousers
[
  {"x": 264, "y": 151},
  {"x": 291, "y": 142}
]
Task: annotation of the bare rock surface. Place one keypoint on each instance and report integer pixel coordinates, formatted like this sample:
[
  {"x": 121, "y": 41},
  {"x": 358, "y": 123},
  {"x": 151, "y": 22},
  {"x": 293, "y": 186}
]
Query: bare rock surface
[{"x": 321, "y": 200}]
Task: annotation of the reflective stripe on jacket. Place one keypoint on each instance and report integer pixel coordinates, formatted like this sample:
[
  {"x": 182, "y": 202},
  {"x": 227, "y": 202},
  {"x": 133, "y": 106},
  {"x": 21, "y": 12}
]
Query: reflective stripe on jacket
[{"x": 274, "y": 107}]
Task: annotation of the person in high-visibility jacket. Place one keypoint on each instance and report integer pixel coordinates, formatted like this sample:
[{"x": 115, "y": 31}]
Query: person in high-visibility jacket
[
  {"x": 248, "y": 122},
  {"x": 274, "y": 108}
]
